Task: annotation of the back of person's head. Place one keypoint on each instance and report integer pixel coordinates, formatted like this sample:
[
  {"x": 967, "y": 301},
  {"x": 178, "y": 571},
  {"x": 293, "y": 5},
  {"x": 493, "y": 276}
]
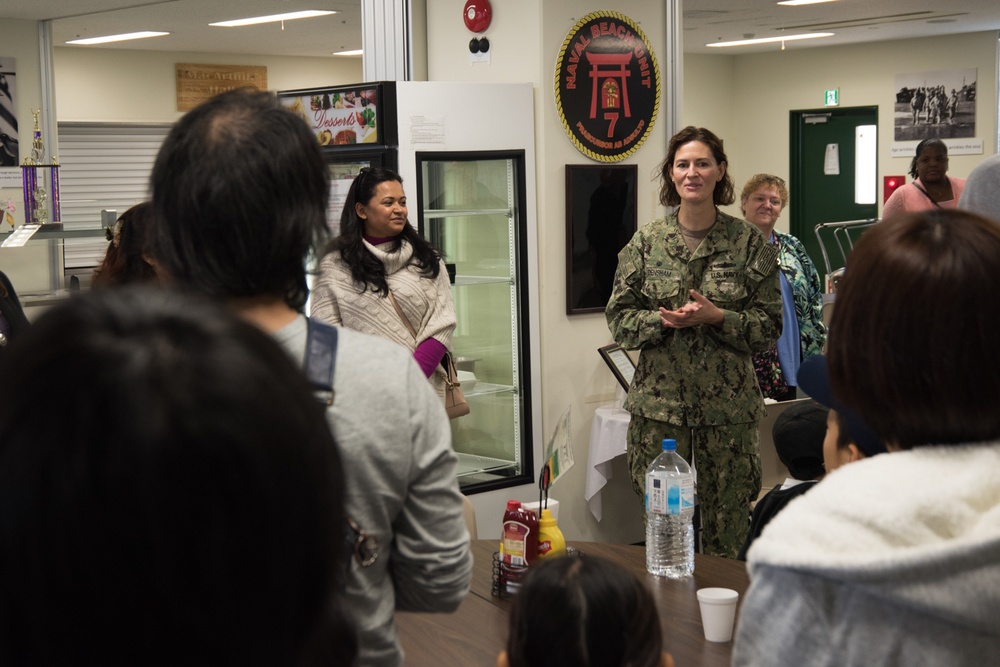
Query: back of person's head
[
  {"x": 125, "y": 261},
  {"x": 982, "y": 189},
  {"x": 798, "y": 435},
  {"x": 912, "y": 338},
  {"x": 171, "y": 492},
  {"x": 239, "y": 199},
  {"x": 583, "y": 612}
]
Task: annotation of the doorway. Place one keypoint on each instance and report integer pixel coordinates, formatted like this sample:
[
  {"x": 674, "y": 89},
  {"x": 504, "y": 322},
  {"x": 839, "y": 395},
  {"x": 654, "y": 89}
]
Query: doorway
[{"x": 834, "y": 174}]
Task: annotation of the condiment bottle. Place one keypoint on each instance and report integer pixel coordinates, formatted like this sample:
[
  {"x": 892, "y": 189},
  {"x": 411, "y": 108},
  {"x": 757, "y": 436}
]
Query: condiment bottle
[
  {"x": 520, "y": 535},
  {"x": 550, "y": 539}
]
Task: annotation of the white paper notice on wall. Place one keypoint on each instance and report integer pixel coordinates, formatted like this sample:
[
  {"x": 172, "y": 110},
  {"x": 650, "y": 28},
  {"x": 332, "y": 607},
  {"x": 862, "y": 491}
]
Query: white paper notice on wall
[
  {"x": 831, "y": 163},
  {"x": 427, "y": 130}
]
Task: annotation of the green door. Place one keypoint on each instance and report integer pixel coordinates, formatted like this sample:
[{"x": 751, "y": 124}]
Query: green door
[{"x": 823, "y": 150}]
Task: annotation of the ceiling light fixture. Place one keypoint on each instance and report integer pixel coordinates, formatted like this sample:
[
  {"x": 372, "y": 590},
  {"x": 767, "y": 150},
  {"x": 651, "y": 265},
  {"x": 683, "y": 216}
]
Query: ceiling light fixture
[
  {"x": 796, "y": 3},
  {"x": 118, "y": 38},
  {"x": 768, "y": 40},
  {"x": 354, "y": 52},
  {"x": 274, "y": 18}
]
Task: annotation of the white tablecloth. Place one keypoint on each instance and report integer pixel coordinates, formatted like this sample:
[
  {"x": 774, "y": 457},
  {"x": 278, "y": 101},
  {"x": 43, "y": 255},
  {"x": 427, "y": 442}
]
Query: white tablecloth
[{"x": 607, "y": 440}]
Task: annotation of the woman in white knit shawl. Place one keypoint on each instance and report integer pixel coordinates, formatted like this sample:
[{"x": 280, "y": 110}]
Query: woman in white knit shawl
[{"x": 377, "y": 253}]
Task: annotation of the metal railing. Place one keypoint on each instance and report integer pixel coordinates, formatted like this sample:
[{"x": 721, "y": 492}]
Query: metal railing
[{"x": 842, "y": 235}]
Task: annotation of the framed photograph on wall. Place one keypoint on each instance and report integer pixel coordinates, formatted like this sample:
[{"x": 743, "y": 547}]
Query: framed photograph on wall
[{"x": 600, "y": 220}]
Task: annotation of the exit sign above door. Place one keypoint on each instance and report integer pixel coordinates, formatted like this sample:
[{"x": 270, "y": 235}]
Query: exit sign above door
[{"x": 832, "y": 98}]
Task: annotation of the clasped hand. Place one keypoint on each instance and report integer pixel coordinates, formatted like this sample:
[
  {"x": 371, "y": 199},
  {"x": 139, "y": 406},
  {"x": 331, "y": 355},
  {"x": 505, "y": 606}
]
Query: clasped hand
[{"x": 697, "y": 311}]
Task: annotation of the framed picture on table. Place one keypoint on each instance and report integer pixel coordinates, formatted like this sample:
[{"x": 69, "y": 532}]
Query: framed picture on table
[
  {"x": 600, "y": 220},
  {"x": 620, "y": 363}
]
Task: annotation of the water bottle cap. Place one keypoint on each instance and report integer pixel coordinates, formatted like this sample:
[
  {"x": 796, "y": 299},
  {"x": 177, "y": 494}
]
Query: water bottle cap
[{"x": 669, "y": 444}]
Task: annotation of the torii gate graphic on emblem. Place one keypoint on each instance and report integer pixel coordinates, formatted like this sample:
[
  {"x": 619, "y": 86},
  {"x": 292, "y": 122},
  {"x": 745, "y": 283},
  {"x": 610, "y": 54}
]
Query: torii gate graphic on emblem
[{"x": 610, "y": 87}]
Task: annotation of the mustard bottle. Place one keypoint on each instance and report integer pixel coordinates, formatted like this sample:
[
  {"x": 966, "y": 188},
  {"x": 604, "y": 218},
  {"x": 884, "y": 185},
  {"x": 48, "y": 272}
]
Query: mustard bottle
[{"x": 551, "y": 542}]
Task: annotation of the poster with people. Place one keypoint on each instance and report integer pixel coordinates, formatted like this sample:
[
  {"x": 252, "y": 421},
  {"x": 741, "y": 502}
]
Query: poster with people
[{"x": 938, "y": 104}]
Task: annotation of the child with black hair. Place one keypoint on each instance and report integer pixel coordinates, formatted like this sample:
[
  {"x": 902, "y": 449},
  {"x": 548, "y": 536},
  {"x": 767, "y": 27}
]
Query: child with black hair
[
  {"x": 583, "y": 610},
  {"x": 798, "y": 436}
]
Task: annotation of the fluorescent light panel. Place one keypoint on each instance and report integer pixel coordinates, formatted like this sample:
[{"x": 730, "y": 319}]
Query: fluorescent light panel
[
  {"x": 796, "y": 3},
  {"x": 355, "y": 52},
  {"x": 307, "y": 14},
  {"x": 769, "y": 40},
  {"x": 118, "y": 38}
]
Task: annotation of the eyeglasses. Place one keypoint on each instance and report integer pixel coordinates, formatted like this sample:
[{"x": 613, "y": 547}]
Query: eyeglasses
[{"x": 364, "y": 546}]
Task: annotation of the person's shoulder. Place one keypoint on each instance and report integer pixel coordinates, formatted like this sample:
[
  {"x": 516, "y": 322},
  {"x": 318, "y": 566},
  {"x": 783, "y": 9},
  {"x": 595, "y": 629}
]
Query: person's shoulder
[
  {"x": 657, "y": 226},
  {"x": 738, "y": 228},
  {"x": 332, "y": 260},
  {"x": 793, "y": 243}
]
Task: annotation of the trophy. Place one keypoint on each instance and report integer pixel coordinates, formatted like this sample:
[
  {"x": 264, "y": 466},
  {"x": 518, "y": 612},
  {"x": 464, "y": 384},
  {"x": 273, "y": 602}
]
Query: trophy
[{"x": 35, "y": 196}]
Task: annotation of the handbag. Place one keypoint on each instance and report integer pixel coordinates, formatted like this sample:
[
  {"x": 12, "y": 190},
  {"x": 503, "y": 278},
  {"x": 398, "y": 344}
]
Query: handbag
[{"x": 454, "y": 398}]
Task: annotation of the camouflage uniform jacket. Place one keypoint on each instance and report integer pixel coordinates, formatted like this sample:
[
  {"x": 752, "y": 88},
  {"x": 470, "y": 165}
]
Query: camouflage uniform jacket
[{"x": 699, "y": 376}]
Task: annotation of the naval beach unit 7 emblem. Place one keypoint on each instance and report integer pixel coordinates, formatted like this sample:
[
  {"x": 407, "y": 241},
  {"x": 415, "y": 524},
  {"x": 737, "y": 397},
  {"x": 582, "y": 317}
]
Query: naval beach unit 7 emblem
[{"x": 607, "y": 86}]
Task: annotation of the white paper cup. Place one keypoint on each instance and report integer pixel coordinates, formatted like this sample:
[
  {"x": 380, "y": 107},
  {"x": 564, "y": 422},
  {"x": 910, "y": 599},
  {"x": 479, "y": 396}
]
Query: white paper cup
[{"x": 718, "y": 612}]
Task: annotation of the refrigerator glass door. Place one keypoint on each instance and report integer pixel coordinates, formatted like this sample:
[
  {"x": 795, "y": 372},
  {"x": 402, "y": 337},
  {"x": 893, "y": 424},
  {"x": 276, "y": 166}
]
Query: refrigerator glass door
[{"x": 471, "y": 208}]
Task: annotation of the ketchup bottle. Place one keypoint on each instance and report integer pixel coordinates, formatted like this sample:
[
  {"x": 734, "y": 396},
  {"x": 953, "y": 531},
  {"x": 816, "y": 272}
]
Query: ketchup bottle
[{"x": 520, "y": 535}]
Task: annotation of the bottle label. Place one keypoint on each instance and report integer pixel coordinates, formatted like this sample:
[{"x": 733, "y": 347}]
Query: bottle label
[
  {"x": 669, "y": 495},
  {"x": 544, "y": 547},
  {"x": 515, "y": 538}
]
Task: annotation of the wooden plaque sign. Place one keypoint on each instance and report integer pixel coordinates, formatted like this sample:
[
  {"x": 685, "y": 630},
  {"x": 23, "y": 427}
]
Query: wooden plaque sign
[{"x": 197, "y": 83}]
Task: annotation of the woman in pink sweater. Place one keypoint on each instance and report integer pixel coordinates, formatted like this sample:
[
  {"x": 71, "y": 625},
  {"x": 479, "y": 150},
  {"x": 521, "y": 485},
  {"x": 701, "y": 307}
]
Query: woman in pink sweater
[{"x": 931, "y": 186}]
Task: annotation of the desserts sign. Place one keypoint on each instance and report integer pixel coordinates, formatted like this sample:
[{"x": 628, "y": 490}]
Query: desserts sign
[
  {"x": 607, "y": 86},
  {"x": 337, "y": 116}
]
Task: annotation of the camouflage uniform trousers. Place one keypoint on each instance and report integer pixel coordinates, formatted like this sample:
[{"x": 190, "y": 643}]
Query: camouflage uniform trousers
[{"x": 728, "y": 468}]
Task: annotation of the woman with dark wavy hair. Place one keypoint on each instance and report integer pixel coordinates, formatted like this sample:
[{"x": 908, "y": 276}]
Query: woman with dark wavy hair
[
  {"x": 380, "y": 266},
  {"x": 127, "y": 260}
]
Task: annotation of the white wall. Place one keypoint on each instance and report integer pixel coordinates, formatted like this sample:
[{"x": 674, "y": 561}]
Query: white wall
[{"x": 115, "y": 85}]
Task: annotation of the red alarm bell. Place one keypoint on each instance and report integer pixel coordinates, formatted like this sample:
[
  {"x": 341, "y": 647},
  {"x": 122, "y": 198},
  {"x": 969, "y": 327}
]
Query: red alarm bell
[{"x": 477, "y": 15}]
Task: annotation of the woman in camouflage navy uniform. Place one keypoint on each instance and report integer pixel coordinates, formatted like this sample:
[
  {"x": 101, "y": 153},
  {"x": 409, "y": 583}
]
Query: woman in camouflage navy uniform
[
  {"x": 698, "y": 294},
  {"x": 763, "y": 199}
]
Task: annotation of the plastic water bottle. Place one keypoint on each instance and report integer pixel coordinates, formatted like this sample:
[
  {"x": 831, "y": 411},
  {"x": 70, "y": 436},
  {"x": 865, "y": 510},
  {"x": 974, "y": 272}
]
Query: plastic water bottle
[{"x": 669, "y": 515}]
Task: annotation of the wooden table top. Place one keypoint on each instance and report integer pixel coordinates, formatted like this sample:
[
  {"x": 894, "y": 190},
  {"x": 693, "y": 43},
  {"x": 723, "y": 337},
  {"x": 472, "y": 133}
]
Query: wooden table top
[{"x": 477, "y": 632}]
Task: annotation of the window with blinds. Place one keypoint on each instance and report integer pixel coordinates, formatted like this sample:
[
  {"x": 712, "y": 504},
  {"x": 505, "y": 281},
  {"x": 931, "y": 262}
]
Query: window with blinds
[{"x": 103, "y": 166}]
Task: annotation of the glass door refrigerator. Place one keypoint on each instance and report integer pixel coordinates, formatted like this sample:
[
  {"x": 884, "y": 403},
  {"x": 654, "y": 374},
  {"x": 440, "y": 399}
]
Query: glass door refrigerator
[{"x": 471, "y": 207}]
